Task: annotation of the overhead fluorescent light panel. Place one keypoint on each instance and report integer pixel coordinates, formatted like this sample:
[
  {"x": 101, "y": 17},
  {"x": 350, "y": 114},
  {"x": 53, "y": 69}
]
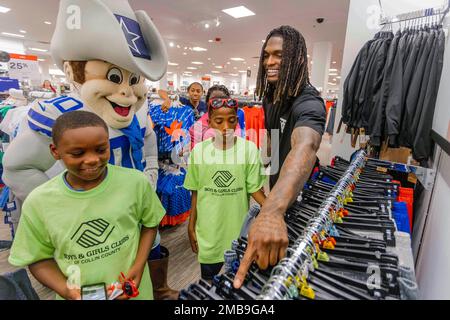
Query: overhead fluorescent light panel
[{"x": 239, "y": 12}]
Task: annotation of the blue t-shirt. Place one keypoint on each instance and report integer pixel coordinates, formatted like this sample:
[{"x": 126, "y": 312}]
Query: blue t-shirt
[{"x": 201, "y": 109}]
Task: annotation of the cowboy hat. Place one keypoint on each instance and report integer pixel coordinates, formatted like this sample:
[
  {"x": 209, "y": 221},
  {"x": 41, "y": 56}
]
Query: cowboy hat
[{"x": 111, "y": 31}]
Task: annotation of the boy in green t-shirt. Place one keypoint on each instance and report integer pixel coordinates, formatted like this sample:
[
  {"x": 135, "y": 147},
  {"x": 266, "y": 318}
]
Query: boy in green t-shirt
[
  {"x": 92, "y": 222},
  {"x": 223, "y": 171}
]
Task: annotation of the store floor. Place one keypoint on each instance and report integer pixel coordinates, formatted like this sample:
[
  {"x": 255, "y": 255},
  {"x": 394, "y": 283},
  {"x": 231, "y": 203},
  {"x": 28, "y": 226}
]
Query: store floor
[{"x": 183, "y": 266}]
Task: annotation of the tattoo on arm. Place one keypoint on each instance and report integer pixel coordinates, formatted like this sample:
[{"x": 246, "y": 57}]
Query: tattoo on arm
[{"x": 296, "y": 169}]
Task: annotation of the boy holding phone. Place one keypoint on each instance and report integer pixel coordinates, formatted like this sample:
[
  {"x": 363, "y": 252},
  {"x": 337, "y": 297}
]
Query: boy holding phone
[{"x": 89, "y": 224}]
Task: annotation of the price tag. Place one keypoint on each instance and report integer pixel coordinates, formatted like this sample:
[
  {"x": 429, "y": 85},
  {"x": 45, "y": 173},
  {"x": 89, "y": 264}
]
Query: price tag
[
  {"x": 11, "y": 206},
  {"x": 381, "y": 169},
  {"x": 23, "y": 67},
  {"x": 412, "y": 178}
]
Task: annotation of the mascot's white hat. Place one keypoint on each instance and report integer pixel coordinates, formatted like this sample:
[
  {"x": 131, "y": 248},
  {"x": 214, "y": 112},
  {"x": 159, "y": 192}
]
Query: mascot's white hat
[{"x": 111, "y": 31}]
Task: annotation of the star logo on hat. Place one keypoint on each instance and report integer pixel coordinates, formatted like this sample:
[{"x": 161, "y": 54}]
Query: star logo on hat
[
  {"x": 131, "y": 40},
  {"x": 132, "y": 31}
]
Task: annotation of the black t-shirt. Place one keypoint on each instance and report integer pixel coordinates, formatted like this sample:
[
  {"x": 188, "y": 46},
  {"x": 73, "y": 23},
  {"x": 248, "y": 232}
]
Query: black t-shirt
[{"x": 307, "y": 110}]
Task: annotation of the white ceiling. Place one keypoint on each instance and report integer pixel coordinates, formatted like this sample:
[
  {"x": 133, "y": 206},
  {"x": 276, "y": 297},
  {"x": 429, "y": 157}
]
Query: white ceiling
[{"x": 182, "y": 22}]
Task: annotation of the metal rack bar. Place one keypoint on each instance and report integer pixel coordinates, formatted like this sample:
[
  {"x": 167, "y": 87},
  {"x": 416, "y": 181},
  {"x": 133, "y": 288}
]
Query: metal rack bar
[{"x": 425, "y": 13}]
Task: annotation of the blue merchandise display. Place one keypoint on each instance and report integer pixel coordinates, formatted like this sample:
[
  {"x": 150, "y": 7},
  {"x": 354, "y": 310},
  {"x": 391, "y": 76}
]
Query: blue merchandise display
[
  {"x": 174, "y": 197},
  {"x": 172, "y": 127}
]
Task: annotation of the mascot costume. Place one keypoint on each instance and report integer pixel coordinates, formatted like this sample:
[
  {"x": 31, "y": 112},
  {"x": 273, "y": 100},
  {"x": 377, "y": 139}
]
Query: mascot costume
[{"x": 106, "y": 51}]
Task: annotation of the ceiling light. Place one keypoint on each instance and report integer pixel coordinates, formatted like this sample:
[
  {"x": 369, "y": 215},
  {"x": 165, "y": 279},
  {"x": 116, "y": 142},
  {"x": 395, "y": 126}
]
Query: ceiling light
[
  {"x": 13, "y": 35},
  {"x": 237, "y": 59},
  {"x": 330, "y": 83},
  {"x": 41, "y": 60},
  {"x": 243, "y": 71},
  {"x": 333, "y": 70},
  {"x": 209, "y": 59},
  {"x": 4, "y": 9},
  {"x": 214, "y": 71},
  {"x": 254, "y": 65},
  {"x": 263, "y": 41},
  {"x": 334, "y": 62},
  {"x": 191, "y": 68},
  {"x": 23, "y": 31},
  {"x": 197, "y": 62},
  {"x": 309, "y": 56},
  {"x": 228, "y": 62},
  {"x": 169, "y": 72},
  {"x": 184, "y": 53},
  {"x": 234, "y": 74},
  {"x": 210, "y": 41},
  {"x": 178, "y": 46},
  {"x": 47, "y": 22},
  {"x": 219, "y": 67},
  {"x": 199, "y": 49},
  {"x": 239, "y": 12},
  {"x": 235, "y": 68},
  {"x": 206, "y": 25},
  {"x": 217, "y": 22},
  {"x": 37, "y": 49},
  {"x": 172, "y": 64},
  {"x": 333, "y": 74},
  {"x": 171, "y": 44},
  {"x": 338, "y": 77},
  {"x": 185, "y": 48}
]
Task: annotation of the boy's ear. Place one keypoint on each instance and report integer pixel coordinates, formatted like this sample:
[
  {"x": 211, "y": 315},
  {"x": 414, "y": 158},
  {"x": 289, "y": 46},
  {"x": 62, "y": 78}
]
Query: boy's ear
[{"x": 54, "y": 152}]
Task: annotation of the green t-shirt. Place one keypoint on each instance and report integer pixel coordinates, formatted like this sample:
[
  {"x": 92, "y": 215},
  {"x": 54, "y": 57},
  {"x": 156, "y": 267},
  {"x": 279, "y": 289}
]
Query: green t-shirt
[
  {"x": 223, "y": 179},
  {"x": 93, "y": 234}
]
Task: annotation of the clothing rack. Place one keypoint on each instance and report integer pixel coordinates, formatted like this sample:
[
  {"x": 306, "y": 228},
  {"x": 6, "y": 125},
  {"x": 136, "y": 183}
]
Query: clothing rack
[
  {"x": 420, "y": 14},
  {"x": 299, "y": 255}
]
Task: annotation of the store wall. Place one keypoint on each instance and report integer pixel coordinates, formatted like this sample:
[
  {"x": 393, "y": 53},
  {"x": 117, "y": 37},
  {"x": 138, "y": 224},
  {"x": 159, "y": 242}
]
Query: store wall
[{"x": 432, "y": 222}]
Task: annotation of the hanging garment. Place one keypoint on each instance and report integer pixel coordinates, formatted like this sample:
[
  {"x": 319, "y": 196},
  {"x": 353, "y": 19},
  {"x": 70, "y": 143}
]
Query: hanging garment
[
  {"x": 254, "y": 124},
  {"x": 331, "y": 120},
  {"x": 174, "y": 197},
  {"x": 171, "y": 127},
  {"x": 392, "y": 88},
  {"x": 422, "y": 145}
]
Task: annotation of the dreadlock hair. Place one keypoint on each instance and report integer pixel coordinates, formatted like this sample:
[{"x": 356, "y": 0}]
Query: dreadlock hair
[{"x": 294, "y": 75}]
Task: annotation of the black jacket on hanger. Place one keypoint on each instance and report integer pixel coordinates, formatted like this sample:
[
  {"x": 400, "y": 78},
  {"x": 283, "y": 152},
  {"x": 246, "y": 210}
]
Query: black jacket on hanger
[
  {"x": 394, "y": 105},
  {"x": 373, "y": 84},
  {"x": 378, "y": 118},
  {"x": 416, "y": 91},
  {"x": 422, "y": 145}
]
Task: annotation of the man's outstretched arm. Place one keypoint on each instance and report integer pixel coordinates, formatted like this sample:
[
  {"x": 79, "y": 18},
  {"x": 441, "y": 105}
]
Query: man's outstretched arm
[{"x": 268, "y": 238}]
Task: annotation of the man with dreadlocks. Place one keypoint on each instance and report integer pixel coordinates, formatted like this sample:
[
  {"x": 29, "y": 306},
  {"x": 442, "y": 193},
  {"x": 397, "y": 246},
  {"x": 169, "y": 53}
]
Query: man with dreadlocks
[{"x": 295, "y": 119}]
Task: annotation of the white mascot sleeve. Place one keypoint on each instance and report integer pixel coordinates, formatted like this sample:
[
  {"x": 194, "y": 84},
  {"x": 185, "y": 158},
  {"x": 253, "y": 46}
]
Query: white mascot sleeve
[{"x": 28, "y": 157}]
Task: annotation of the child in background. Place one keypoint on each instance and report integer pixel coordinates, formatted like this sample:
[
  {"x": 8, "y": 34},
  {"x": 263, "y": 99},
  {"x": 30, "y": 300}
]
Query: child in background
[
  {"x": 223, "y": 172},
  {"x": 90, "y": 223}
]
